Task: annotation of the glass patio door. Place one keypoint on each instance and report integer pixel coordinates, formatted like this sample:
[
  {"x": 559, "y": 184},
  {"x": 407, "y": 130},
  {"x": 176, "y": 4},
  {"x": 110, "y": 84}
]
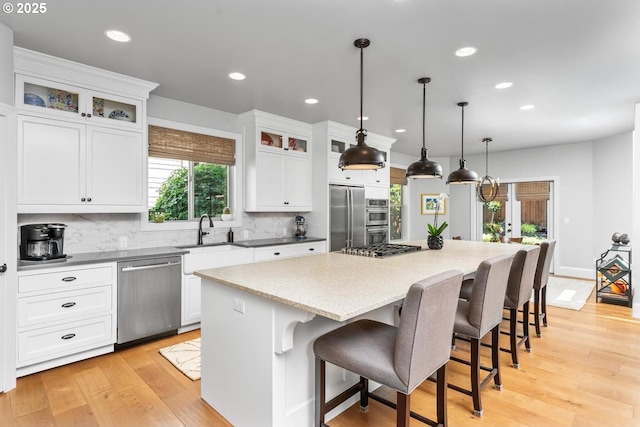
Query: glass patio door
[{"x": 521, "y": 209}]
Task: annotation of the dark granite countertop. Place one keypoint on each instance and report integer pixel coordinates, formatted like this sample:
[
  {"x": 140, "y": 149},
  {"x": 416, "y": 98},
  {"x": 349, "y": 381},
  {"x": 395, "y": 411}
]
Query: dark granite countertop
[
  {"x": 259, "y": 243},
  {"x": 132, "y": 254}
]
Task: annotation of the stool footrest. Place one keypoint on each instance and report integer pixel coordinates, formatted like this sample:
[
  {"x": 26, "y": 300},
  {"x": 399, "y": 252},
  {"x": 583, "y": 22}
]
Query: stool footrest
[{"x": 394, "y": 406}]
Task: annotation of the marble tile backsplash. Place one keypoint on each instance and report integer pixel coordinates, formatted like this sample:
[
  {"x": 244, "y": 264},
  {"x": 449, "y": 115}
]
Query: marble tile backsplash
[{"x": 102, "y": 232}]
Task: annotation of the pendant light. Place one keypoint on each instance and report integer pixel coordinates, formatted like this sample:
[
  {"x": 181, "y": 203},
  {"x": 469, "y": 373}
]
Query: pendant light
[
  {"x": 424, "y": 168},
  {"x": 486, "y": 180},
  {"x": 361, "y": 156},
  {"x": 462, "y": 175}
]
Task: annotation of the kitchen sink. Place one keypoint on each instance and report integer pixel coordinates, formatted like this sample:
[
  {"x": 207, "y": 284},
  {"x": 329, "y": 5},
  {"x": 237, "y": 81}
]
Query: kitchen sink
[{"x": 214, "y": 255}]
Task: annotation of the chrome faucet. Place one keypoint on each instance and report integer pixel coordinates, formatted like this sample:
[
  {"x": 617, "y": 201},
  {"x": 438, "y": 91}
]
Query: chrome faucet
[{"x": 203, "y": 233}]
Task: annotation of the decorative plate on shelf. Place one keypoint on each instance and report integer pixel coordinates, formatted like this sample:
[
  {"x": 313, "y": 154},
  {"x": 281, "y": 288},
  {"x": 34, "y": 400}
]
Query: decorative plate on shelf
[
  {"x": 98, "y": 107},
  {"x": 266, "y": 139},
  {"x": 31, "y": 99},
  {"x": 119, "y": 115}
]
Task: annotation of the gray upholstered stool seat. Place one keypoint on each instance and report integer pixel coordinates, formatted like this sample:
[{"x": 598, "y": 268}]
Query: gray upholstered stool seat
[
  {"x": 478, "y": 316},
  {"x": 540, "y": 284},
  {"x": 398, "y": 357}
]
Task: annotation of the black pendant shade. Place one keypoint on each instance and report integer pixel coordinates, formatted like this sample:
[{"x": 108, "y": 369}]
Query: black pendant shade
[
  {"x": 424, "y": 168},
  {"x": 361, "y": 156},
  {"x": 462, "y": 175}
]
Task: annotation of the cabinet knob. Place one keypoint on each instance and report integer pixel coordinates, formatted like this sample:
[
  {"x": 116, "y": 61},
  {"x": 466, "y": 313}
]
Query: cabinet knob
[
  {"x": 83, "y": 199},
  {"x": 3, "y": 268},
  {"x": 88, "y": 115},
  {"x": 83, "y": 114},
  {"x": 88, "y": 199}
]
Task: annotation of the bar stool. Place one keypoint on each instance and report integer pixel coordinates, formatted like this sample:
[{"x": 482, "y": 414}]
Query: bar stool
[
  {"x": 540, "y": 284},
  {"x": 519, "y": 287},
  {"x": 399, "y": 357},
  {"x": 478, "y": 316}
]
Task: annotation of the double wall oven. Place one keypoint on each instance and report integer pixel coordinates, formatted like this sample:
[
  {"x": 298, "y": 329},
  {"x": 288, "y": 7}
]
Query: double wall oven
[{"x": 376, "y": 221}]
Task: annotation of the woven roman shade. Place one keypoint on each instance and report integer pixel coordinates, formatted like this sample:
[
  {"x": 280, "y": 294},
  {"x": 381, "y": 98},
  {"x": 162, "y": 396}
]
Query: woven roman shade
[
  {"x": 538, "y": 190},
  {"x": 182, "y": 145},
  {"x": 398, "y": 176}
]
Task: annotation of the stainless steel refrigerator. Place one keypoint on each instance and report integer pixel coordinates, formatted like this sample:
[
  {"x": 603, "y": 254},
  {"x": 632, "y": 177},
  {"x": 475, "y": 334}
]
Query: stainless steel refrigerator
[{"x": 347, "y": 216}]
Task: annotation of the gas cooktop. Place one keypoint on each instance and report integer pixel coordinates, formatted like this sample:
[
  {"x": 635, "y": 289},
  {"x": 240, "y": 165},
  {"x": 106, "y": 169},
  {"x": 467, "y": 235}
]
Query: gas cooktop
[{"x": 380, "y": 250}]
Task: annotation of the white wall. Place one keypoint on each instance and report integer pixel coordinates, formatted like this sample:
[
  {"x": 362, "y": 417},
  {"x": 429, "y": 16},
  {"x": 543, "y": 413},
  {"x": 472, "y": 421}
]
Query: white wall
[
  {"x": 417, "y": 223},
  {"x": 6, "y": 65}
]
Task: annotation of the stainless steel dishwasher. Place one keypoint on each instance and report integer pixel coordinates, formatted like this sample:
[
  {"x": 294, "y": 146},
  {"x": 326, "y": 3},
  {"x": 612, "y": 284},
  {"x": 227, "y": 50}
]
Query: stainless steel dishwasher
[{"x": 149, "y": 301}]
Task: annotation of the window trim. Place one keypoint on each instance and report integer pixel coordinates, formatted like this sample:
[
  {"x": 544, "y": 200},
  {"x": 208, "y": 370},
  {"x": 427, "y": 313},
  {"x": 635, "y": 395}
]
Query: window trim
[{"x": 235, "y": 181}]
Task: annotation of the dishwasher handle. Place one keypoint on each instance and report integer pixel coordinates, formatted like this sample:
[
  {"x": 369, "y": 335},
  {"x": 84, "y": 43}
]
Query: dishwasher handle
[{"x": 149, "y": 267}]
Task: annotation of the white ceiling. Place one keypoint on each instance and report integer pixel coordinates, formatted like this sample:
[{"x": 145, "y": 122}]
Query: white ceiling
[{"x": 577, "y": 61}]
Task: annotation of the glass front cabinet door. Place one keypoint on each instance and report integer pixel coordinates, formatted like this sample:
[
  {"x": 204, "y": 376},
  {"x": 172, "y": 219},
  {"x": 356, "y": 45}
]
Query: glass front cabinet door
[{"x": 45, "y": 97}]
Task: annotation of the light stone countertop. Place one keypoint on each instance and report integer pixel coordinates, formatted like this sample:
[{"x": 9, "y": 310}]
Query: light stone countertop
[{"x": 340, "y": 286}]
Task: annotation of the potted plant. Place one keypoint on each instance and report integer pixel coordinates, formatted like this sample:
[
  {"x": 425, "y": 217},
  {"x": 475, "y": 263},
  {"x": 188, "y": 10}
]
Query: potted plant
[
  {"x": 434, "y": 239},
  {"x": 226, "y": 214}
]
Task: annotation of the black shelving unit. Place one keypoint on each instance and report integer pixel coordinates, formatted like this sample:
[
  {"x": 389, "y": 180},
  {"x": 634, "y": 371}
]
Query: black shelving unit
[{"x": 613, "y": 276}]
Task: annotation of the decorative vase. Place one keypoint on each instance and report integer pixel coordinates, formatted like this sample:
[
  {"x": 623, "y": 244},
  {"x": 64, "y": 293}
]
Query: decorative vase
[{"x": 435, "y": 242}]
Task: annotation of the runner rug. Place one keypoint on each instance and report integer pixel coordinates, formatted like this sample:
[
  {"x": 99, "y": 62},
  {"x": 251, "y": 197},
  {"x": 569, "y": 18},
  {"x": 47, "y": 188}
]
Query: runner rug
[
  {"x": 567, "y": 292},
  {"x": 185, "y": 356}
]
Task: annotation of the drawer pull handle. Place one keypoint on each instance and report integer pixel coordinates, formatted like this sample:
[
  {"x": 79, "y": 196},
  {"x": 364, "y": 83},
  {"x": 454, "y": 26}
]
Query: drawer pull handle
[
  {"x": 276, "y": 253},
  {"x": 312, "y": 249},
  {"x": 68, "y": 279},
  {"x": 68, "y": 336},
  {"x": 68, "y": 304}
]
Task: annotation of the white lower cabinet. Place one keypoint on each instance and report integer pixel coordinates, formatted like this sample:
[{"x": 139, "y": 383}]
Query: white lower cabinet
[
  {"x": 65, "y": 314},
  {"x": 270, "y": 253}
]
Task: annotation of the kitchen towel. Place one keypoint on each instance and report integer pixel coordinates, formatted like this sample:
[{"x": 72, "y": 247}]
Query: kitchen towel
[{"x": 185, "y": 356}]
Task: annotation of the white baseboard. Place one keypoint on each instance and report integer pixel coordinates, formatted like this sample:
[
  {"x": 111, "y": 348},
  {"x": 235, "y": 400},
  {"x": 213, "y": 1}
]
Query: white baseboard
[{"x": 581, "y": 273}]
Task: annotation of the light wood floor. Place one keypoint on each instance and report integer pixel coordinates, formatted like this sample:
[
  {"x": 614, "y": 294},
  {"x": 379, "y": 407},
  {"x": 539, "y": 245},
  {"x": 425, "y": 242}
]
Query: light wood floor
[{"x": 584, "y": 371}]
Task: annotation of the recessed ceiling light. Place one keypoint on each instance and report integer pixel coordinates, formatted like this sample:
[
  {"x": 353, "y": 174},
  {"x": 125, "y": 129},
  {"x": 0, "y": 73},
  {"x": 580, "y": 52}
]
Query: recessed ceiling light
[
  {"x": 363, "y": 118},
  {"x": 466, "y": 51},
  {"x": 237, "y": 76},
  {"x": 118, "y": 36},
  {"x": 311, "y": 101},
  {"x": 527, "y": 107},
  {"x": 401, "y": 130},
  {"x": 503, "y": 85}
]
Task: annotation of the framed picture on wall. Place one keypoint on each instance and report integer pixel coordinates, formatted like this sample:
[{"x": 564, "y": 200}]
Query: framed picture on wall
[{"x": 429, "y": 204}]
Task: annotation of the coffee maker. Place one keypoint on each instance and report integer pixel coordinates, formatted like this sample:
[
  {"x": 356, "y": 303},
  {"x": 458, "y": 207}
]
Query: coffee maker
[{"x": 42, "y": 242}]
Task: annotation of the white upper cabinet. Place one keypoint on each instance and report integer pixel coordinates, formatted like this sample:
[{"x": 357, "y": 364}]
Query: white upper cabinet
[
  {"x": 81, "y": 137},
  {"x": 277, "y": 163},
  {"x": 69, "y": 167},
  {"x": 55, "y": 99}
]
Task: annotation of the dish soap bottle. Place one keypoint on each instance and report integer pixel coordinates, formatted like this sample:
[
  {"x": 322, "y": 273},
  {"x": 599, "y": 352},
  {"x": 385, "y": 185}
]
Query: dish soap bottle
[{"x": 230, "y": 236}]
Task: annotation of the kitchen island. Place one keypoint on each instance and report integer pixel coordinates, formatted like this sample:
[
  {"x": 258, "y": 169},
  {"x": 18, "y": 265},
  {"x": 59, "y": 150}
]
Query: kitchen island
[{"x": 259, "y": 322}]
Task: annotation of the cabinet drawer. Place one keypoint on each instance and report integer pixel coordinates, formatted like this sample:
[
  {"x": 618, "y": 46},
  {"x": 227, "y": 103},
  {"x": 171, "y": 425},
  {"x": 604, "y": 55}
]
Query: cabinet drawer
[
  {"x": 311, "y": 248},
  {"x": 62, "y": 306},
  {"x": 59, "y": 279},
  {"x": 48, "y": 343},
  {"x": 275, "y": 252}
]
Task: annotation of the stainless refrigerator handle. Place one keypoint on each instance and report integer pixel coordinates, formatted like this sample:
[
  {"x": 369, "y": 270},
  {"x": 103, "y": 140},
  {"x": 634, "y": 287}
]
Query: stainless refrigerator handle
[
  {"x": 149, "y": 267},
  {"x": 349, "y": 217}
]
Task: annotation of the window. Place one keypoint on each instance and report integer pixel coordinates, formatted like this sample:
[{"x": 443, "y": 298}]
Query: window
[
  {"x": 184, "y": 190},
  {"x": 191, "y": 172},
  {"x": 398, "y": 181}
]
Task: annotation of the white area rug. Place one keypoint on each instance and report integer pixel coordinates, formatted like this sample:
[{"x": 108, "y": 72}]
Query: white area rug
[
  {"x": 185, "y": 356},
  {"x": 566, "y": 292}
]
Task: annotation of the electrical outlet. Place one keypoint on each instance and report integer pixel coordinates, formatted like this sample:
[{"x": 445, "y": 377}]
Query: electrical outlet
[
  {"x": 284, "y": 231},
  {"x": 238, "y": 305},
  {"x": 123, "y": 242},
  {"x": 246, "y": 234}
]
